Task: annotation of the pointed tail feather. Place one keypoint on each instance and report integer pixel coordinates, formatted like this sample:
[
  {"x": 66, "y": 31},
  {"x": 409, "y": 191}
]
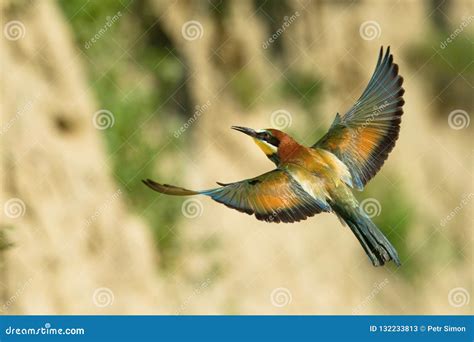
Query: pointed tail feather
[
  {"x": 374, "y": 242},
  {"x": 169, "y": 189}
]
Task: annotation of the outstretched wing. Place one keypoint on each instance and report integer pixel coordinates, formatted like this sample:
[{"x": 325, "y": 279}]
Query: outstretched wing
[
  {"x": 366, "y": 134},
  {"x": 274, "y": 196}
]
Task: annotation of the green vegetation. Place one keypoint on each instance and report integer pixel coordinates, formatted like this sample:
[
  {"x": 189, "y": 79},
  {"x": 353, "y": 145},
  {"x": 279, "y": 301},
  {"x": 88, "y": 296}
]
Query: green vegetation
[
  {"x": 245, "y": 88},
  {"x": 449, "y": 74},
  {"x": 136, "y": 74},
  {"x": 4, "y": 242},
  {"x": 303, "y": 87}
]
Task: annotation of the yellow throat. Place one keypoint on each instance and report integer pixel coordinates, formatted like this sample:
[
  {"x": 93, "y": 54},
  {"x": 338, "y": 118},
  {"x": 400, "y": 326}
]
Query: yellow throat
[{"x": 267, "y": 148}]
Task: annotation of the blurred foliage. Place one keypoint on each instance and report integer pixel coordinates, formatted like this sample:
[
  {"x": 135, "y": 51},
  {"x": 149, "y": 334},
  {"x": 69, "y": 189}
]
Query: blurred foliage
[
  {"x": 449, "y": 74},
  {"x": 4, "y": 241},
  {"x": 303, "y": 87},
  {"x": 245, "y": 88},
  {"x": 272, "y": 14},
  {"x": 141, "y": 87}
]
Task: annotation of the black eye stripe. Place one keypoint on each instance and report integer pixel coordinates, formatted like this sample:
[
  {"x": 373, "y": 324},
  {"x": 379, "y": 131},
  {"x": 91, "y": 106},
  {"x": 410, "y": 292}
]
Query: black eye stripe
[
  {"x": 265, "y": 136},
  {"x": 274, "y": 141}
]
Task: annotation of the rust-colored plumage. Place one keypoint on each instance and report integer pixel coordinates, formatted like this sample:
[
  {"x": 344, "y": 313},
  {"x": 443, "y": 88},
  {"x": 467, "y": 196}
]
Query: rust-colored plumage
[{"x": 320, "y": 178}]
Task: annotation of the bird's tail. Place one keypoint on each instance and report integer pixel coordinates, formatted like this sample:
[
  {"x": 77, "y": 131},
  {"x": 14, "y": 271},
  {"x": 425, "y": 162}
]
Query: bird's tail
[{"x": 374, "y": 242}]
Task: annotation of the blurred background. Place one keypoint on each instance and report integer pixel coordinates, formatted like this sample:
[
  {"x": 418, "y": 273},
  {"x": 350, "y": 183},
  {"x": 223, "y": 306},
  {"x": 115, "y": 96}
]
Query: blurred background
[{"x": 98, "y": 95}]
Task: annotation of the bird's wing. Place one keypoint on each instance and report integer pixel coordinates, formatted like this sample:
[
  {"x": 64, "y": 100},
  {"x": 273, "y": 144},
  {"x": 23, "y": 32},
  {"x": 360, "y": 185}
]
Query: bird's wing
[
  {"x": 275, "y": 196},
  {"x": 366, "y": 134}
]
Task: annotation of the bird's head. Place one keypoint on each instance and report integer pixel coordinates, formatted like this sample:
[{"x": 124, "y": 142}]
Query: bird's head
[{"x": 267, "y": 139}]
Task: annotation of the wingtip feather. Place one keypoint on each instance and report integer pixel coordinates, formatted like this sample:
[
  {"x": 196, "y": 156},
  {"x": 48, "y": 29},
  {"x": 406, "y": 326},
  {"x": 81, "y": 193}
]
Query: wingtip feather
[{"x": 168, "y": 189}]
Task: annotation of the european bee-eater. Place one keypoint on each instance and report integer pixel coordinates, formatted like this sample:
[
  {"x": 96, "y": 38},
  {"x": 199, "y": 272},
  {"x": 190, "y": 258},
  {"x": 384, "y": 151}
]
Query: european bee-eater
[{"x": 320, "y": 178}]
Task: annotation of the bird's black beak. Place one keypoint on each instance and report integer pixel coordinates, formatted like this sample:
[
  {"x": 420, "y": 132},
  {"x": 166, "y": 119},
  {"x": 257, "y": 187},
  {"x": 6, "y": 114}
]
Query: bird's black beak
[{"x": 245, "y": 130}]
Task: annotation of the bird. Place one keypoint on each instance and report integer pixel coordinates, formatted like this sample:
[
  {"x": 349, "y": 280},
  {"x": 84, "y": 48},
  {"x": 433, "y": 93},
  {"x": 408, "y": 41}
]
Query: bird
[{"x": 320, "y": 178}]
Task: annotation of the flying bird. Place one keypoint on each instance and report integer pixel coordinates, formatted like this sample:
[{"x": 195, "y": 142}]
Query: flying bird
[{"x": 322, "y": 177}]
